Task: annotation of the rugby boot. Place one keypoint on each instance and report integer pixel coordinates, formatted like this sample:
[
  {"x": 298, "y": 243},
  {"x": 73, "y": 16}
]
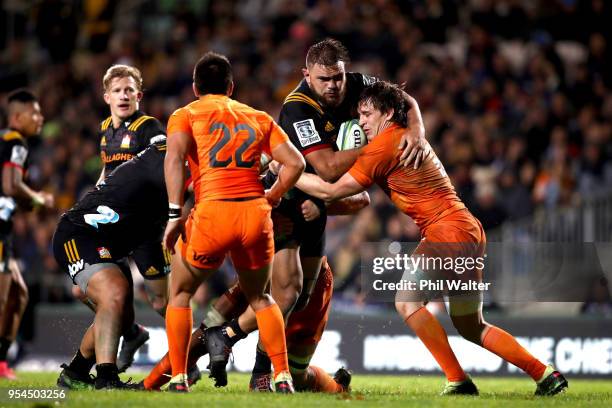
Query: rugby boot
[
  {"x": 343, "y": 378},
  {"x": 261, "y": 382},
  {"x": 72, "y": 380},
  {"x": 129, "y": 348},
  {"x": 178, "y": 384},
  {"x": 283, "y": 383},
  {"x": 465, "y": 387},
  {"x": 6, "y": 372},
  {"x": 552, "y": 383}
]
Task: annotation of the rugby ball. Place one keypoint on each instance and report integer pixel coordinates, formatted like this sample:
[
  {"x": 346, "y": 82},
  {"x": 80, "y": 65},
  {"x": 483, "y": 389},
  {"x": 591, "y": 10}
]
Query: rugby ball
[{"x": 350, "y": 135}]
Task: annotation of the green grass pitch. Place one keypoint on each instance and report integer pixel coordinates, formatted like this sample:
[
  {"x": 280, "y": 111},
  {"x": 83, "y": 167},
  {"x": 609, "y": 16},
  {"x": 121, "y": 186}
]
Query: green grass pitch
[{"x": 368, "y": 391}]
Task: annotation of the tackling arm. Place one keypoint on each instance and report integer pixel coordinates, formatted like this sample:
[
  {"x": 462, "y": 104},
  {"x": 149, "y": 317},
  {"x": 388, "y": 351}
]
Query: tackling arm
[
  {"x": 349, "y": 205},
  {"x": 316, "y": 187}
]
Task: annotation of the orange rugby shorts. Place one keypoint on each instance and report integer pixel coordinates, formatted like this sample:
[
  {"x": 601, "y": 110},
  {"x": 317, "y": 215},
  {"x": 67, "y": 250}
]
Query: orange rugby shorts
[{"x": 242, "y": 228}]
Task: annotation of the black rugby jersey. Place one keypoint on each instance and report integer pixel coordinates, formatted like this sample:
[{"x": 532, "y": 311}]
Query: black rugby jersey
[
  {"x": 131, "y": 137},
  {"x": 130, "y": 205},
  {"x": 13, "y": 152},
  {"x": 310, "y": 125}
]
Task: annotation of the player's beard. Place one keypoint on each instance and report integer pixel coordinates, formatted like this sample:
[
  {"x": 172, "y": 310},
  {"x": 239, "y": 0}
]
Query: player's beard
[{"x": 332, "y": 100}]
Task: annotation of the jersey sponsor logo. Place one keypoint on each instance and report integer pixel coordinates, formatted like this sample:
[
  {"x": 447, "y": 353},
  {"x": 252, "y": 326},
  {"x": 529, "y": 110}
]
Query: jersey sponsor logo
[
  {"x": 105, "y": 215},
  {"x": 329, "y": 127},
  {"x": 104, "y": 253},
  {"x": 306, "y": 132},
  {"x": 76, "y": 267},
  {"x": 125, "y": 142},
  {"x": 158, "y": 139},
  {"x": 76, "y": 264},
  {"x": 116, "y": 157},
  {"x": 19, "y": 155}
]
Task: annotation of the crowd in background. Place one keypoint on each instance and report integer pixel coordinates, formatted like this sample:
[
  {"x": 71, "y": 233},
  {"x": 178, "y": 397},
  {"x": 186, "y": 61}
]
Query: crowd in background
[{"x": 516, "y": 95}]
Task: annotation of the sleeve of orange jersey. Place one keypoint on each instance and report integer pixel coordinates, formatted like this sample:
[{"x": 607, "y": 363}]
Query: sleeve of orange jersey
[
  {"x": 371, "y": 163},
  {"x": 179, "y": 122},
  {"x": 276, "y": 136}
]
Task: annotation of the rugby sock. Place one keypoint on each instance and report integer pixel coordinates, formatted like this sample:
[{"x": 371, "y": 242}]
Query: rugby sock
[
  {"x": 5, "y": 344},
  {"x": 160, "y": 374},
  {"x": 505, "y": 345},
  {"x": 233, "y": 332},
  {"x": 262, "y": 362},
  {"x": 131, "y": 332},
  {"x": 81, "y": 364},
  {"x": 107, "y": 371},
  {"x": 432, "y": 334},
  {"x": 272, "y": 334},
  {"x": 321, "y": 381},
  {"x": 179, "y": 322}
]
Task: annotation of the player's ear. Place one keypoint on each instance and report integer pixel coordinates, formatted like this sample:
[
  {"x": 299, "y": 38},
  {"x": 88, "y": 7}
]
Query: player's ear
[
  {"x": 106, "y": 98},
  {"x": 230, "y": 89},
  {"x": 195, "y": 90},
  {"x": 139, "y": 96},
  {"x": 389, "y": 114},
  {"x": 306, "y": 74}
]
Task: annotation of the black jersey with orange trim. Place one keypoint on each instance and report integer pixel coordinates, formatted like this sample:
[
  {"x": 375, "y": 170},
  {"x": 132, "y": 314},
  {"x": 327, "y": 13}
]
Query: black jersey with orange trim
[
  {"x": 130, "y": 206},
  {"x": 312, "y": 126},
  {"x": 14, "y": 153},
  {"x": 131, "y": 137}
]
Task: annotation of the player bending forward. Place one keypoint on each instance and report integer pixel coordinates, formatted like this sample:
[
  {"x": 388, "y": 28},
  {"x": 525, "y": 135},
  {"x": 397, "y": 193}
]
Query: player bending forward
[{"x": 428, "y": 197}]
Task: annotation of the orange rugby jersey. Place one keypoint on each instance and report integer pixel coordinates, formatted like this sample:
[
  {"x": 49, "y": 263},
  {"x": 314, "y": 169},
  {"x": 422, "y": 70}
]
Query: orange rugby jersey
[
  {"x": 425, "y": 194},
  {"x": 229, "y": 140}
]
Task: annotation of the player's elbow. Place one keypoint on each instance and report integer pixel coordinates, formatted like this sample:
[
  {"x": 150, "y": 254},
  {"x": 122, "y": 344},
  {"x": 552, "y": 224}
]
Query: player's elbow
[{"x": 296, "y": 167}]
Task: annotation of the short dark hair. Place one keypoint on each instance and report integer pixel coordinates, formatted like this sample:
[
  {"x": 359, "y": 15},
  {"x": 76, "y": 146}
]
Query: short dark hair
[
  {"x": 22, "y": 96},
  {"x": 212, "y": 74},
  {"x": 385, "y": 96},
  {"x": 327, "y": 52}
]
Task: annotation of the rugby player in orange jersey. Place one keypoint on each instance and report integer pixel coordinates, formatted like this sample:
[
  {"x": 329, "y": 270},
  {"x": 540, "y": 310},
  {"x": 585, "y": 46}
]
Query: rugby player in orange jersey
[
  {"x": 428, "y": 197},
  {"x": 222, "y": 141},
  {"x": 303, "y": 332}
]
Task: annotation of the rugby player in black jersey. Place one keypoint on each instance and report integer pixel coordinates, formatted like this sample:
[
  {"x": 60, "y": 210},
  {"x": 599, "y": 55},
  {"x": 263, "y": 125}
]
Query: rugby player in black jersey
[
  {"x": 311, "y": 115},
  {"x": 125, "y": 133},
  {"x": 24, "y": 120},
  {"x": 119, "y": 218}
]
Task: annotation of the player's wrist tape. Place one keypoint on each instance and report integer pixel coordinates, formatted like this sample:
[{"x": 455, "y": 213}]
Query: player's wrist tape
[{"x": 174, "y": 211}]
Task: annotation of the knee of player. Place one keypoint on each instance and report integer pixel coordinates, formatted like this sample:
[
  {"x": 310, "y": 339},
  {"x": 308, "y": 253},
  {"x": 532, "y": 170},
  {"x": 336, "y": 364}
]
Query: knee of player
[
  {"x": 78, "y": 293},
  {"x": 160, "y": 304},
  {"x": 406, "y": 309}
]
